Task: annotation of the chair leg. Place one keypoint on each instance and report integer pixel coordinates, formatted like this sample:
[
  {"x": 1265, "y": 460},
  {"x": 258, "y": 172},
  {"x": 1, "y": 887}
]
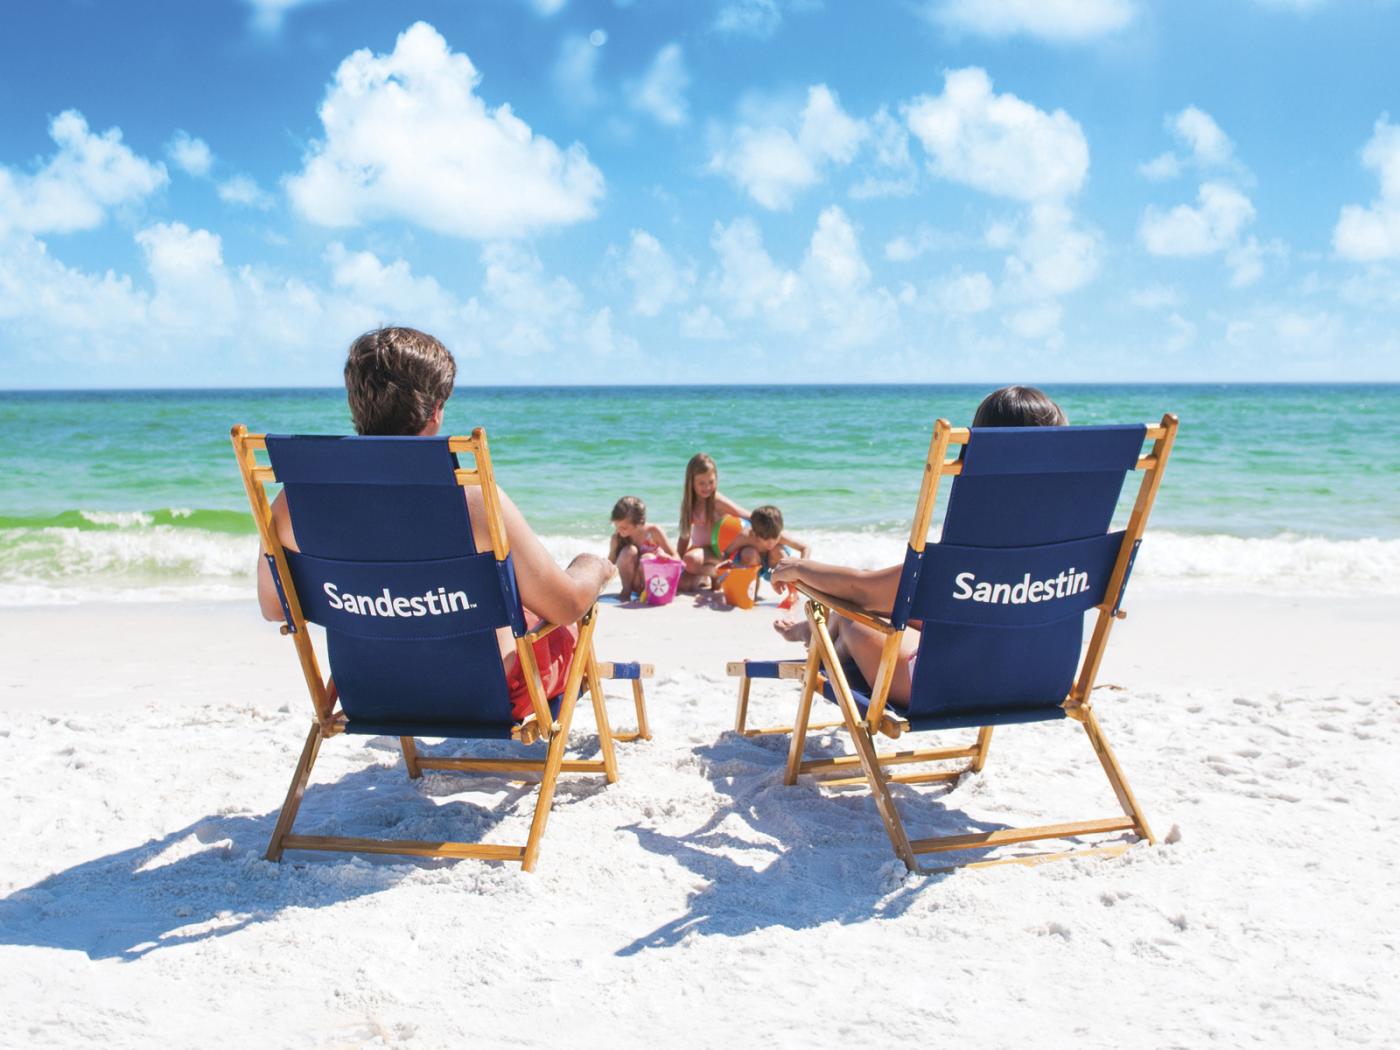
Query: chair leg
[
  {"x": 864, "y": 745},
  {"x": 804, "y": 715},
  {"x": 984, "y": 744},
  {"x": 600, "y": 715},
  {"x": 741, "y": 712},
  {"x": 639, "y": 701},
  {"x": 553, "y": 763},
  {"x": 410, "y": 757},
  {"x": 1115, "y": 777},
  {"x": 292, "y": 803}
]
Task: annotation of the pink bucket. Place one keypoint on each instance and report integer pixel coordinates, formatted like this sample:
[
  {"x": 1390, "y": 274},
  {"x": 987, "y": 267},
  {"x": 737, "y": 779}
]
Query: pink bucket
[{"x": 660, "y": 577}]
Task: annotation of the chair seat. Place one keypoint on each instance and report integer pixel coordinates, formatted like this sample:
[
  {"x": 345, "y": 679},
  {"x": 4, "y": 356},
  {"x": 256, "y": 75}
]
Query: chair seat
[
  {"x": 451, "y": 730},
  {"x": 969, "y": 719}
]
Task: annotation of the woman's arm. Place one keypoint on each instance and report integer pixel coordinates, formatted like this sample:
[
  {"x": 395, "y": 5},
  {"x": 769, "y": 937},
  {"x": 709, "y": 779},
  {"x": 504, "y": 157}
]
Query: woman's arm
[
  {"x": 268, "y": 602},
  {"x": 872, "y": 589},
  {"x": 658, "y": 537}
]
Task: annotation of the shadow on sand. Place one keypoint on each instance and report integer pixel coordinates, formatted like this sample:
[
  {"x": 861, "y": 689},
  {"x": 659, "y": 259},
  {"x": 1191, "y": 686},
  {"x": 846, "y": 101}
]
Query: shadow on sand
[
  {"x": 209, "y": 878},
  {"x": 809, "y": 856}
]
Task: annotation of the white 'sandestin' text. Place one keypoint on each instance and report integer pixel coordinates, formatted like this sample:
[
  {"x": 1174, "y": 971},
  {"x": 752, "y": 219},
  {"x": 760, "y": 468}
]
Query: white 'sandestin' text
[
  {"x": 429, "y": 603},
  {"x": 968, "y": 587}
]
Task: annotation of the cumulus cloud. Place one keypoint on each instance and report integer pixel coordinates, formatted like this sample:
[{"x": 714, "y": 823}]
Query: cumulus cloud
[
  {"x": 407, "y": 138},
  {"x": 661, "y": 91},
  {"x": 1053, "y": 255},
  {"x": 73, "y": 190},
  {"x": 702, "y": 323},
  {"x": 892, "y": 172},
  {"x": 964, "y": 293},
  {"x": 997, "y": 143},
  {"x": 191, "y": 155},
  {"x": 658, "y": 281},
  {"x": 1368, "y": 233},
  {"x": 773, "y": 163},
  {"x": 1198, "y": 130},
  {"x": 1213, "y": 225},
  {"x": 1057, "y": 21},
  {"x": 1205, "y": 146},
  {"x": 829, "y": 297}
]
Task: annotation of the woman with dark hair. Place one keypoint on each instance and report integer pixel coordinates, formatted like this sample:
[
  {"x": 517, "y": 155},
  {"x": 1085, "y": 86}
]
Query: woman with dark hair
[{"x": 875, "y": 589}]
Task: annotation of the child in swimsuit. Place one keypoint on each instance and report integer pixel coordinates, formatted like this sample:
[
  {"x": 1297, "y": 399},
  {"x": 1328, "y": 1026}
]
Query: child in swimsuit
[
  {"x": 702, "y": 507},
  {"x": 632, "y": 537},
  {"x": 763, "y": 543}
]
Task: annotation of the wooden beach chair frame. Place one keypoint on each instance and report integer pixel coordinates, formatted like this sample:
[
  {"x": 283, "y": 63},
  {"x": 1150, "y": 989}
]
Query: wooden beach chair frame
[
  {"x": 540, "y": 726},
  {"x": 823, "y": 667}
]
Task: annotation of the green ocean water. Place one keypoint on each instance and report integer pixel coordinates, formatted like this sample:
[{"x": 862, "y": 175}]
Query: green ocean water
[{"x": 134, "y": 487}]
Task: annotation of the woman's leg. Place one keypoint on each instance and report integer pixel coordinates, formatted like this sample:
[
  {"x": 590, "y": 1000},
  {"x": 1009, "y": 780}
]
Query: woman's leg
[{"x": 863, "y": 645}]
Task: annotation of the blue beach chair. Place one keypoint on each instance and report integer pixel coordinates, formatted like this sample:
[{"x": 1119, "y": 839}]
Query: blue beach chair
[
  {"x": 410, "y": 608},
  {"x": 1025, "y": 553}
]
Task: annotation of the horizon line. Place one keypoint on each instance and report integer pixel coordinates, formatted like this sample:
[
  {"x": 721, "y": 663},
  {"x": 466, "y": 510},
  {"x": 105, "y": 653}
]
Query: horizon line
[{"x": 722, "y": 386}]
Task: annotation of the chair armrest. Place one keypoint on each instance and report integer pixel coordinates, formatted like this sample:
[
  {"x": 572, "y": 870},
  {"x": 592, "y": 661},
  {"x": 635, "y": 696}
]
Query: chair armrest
[
  {"x": 540, "y": 631},
  {"x": 870, "y": 619}
]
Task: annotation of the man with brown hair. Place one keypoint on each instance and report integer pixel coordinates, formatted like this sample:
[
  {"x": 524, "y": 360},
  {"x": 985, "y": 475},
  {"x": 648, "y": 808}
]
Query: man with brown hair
[{"x": 397, "y": 381}]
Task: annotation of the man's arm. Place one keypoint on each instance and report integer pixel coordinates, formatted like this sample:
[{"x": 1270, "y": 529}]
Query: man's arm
[
  {"x": 558, "y": 595},
  {"x": 872, "y": 589}
]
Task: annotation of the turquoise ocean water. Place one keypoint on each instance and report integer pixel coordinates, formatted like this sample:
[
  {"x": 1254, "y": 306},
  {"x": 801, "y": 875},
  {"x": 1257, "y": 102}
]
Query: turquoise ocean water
[{"x": 135, "y": 494}]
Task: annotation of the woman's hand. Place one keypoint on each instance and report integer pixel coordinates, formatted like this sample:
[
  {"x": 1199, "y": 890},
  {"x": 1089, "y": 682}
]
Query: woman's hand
[{"x": 788, "y": 570}]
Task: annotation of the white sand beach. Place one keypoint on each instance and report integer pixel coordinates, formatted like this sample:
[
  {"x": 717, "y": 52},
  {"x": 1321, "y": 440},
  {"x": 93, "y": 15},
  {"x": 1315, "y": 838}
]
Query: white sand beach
[{"x": 145, "y": 748}]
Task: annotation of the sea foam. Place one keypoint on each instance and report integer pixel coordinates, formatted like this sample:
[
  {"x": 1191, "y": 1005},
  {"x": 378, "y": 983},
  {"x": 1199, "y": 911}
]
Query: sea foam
[{"x": 138, "y": 558}]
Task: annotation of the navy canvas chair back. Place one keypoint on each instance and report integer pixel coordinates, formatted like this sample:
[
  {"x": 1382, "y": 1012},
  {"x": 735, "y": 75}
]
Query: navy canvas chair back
[
  {"x": 388, "y": 567},
  {"x": 1025, "y": 552}
]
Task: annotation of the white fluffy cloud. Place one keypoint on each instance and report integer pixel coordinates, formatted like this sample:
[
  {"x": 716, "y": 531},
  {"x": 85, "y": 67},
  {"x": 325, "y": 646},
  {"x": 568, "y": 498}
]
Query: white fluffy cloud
[
  {"x": 661, "y": 91},
  {"x": 772, "y": 163},
  {"x": 828, "y": 297},
  {"x": 407, "y": 138},
  {"x": 1058, "y": 21},
  {"x": 74, "y": 188},
  {"x": 998, "y": 143},
  {"x": 1213, "y": 225},
  {"x": 657, "y": 279},
  {"x": 191, "y": 155},
  {"x": 1053, "y": 256},
  {"x": 1197, "y": 130},
  {"x": 1369, "y": 233},
  {"x": 1206, "y": 146}
]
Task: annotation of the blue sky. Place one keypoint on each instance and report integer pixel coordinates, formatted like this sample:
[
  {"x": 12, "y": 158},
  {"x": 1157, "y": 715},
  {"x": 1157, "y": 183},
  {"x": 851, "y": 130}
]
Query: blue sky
[{"x": 226, "y": 192}]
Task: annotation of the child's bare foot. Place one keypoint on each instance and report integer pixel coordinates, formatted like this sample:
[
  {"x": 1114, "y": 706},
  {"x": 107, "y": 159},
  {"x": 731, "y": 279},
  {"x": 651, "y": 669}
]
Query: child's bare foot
[{"x": 793, "y": 630}]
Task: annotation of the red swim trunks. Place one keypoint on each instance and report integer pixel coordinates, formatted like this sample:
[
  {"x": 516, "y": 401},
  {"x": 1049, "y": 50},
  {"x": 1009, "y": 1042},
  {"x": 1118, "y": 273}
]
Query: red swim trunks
[{"x": 554, "y": 652}]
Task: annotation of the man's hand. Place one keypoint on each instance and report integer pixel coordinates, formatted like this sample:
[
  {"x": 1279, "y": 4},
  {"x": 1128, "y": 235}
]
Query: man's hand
[{"x": 592, "y": 571}]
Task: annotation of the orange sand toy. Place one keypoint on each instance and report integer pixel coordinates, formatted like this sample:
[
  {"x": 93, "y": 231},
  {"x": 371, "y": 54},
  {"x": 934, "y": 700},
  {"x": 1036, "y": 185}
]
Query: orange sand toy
[{"x": 738, "y": 586}]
